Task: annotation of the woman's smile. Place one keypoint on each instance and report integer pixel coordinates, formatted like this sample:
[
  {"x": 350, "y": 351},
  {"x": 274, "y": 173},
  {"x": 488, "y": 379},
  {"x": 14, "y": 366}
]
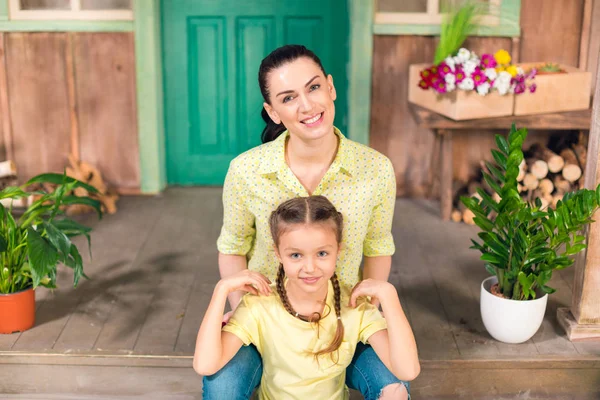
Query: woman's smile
[{"x": 313, "y": 121}]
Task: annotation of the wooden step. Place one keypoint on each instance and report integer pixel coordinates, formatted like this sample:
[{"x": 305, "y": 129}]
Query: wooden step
[{"x": 117, "y": 376}]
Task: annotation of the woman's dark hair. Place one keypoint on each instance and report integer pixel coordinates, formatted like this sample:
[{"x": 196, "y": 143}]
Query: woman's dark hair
[
  {"x": 309, "y": 210},
  {"x": 274, "y": 60}
]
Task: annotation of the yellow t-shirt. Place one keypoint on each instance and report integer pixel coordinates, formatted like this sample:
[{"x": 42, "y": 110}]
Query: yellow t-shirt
[
  {"x": 360, "y": 183},
  {"x": 287, "y": 344}
]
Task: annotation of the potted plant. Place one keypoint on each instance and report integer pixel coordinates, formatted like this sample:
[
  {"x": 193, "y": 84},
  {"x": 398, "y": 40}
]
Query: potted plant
[
  {"x": 33, "y": 244},
  {"x": 522, "y": 243}
]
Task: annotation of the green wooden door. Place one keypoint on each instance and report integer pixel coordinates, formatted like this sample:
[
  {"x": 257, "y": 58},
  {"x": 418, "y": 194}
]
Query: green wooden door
[{"x": 212, "y": 50}]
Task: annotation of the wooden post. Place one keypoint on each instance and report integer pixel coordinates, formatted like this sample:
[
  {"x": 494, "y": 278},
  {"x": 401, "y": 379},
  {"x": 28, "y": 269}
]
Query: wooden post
[
  {"x": 582, "y": 320},
  {"x": 446, "y": 173},
  {"x": 4, "y": 104},
  {"x": 70, "y": 71}
]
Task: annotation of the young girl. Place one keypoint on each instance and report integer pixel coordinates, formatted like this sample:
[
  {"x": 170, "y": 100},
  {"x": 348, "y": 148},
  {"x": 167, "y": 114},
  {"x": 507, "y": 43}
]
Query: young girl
[{"x": 306, "y": 326}]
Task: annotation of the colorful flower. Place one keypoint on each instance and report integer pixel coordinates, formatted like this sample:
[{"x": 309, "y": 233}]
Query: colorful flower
[
  {"x": 450, "y": 87},
  {"x": 423, "y": 84},
  {"x": 450, "y": 79},
  {"x": 463, "y": 55},
  {"x": 502, "y": 57},
  {"x": 512, "y": 70},
  {"x": 484, "y": 88},
  {"x": 469, "y": 67},
  {"x": 478, "y": 77},
  {"x": 439, "y": 85},
  {"x": 467, "y": 84},
  {"x": 450, "y": 62},
  {"x": 491, "y": 73},
  {"x": 426, "y": 75},
  {"x": 460, "y": 75},
  {"x": 444, "y": 69},
  {"x": 488, "y": 61},
  {"x": 532, "y": 88}
]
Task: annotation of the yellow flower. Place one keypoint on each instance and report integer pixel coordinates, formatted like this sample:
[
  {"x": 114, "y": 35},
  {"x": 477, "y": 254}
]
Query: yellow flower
[
  {"x": 512, "y": 70},
  {"x": 500, "y": 69},
  {"x": 502, "y": 57}
]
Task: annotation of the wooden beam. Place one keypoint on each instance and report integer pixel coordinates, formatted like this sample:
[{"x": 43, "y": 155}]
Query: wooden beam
[
  {"x": 584, "y": 43},
  {"x": 70, "y": 70},
  {"x": 4, "y": 105},
  {"x": 583, "y": 320}
]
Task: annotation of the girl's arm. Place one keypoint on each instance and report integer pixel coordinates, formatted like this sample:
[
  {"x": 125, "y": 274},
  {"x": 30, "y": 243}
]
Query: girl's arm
[
  {"x": 396, "y": 346},
  {"x": 215, "y": 348}
]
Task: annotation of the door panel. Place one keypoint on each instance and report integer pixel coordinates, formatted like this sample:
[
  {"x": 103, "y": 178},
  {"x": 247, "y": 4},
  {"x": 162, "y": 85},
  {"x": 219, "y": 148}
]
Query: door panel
[{"x": 212, "y": 50}]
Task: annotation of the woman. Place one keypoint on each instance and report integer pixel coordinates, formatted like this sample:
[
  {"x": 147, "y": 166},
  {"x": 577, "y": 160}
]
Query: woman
[{"x": 304, "y": 154}]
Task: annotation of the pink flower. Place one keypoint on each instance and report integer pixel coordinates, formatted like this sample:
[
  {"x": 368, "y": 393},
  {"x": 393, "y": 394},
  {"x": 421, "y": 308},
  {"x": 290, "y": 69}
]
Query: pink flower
[
  {"x": 460, "y": 75},
  {"x": 488, "y": 61},
  {"x": 444, "y": 69},
  {"x": 532, "y": 88},
  {"x": 478, "y": 77},
  {"x": 519, "y": 88},
  {"x": 439, "y": 85}
]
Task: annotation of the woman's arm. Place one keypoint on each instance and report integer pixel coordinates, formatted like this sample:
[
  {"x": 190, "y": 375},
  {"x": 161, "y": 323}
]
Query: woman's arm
[
  {"x": 215, "y": 348},
  {"x": 396, "y": 346},
  {"x": 229, "y": 265}
]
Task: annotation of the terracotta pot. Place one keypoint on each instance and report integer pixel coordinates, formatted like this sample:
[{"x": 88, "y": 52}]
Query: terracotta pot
[{"x": 17, "y": 311}]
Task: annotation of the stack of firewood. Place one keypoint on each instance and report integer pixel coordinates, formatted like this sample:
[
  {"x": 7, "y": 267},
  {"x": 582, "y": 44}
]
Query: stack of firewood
[{"x": 543, "y": 174}]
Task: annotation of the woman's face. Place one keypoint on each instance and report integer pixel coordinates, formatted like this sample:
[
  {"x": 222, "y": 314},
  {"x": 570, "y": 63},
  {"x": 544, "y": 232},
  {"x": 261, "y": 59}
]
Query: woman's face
[{"x": 302, "y": 99}]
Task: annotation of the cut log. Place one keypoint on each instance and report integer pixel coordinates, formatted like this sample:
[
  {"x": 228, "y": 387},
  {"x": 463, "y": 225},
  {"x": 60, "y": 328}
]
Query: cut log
[
  {"x": 468, "y": 217},
  {"x": 571, "y": 172},
  {"x": 8, "y": 169},
  {"x": 522, "y": 171},
  {"x": 569, "y": 156},
  {"x": 456, "y": 216},
  {"x": 562, "y": 185},
  {"x": 554, "y": 161},
  {"x": 546, "y": 186},
  {"x": 531, "y": 182},
  {"x": 496, "y": 197},
  {"x": 580, "y": 152},
  {"x": 521, "y": 188},
  {"x": 539, "y": 168}
]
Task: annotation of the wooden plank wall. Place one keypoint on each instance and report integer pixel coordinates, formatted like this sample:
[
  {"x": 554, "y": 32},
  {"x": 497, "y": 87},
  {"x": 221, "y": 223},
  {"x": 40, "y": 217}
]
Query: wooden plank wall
[
  {"x": 551, "y": 31},
  {"x": 102, "y": 71}
]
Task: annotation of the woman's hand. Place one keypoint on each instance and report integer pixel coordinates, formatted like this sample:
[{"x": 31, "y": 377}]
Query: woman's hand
[
  {"x": 378, "y": 291},
  {"x": 247, "y": 281}
]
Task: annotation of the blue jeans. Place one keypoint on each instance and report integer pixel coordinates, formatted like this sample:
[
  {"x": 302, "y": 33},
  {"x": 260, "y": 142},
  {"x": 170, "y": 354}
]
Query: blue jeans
[{"x": 238, "y": 379}]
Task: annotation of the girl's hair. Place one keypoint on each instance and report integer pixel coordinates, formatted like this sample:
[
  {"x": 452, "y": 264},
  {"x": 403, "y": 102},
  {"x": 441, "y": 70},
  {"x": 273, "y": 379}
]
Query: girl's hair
[
  {"x": 309, "y": 210},
  {"x": 274, "y": 60}
]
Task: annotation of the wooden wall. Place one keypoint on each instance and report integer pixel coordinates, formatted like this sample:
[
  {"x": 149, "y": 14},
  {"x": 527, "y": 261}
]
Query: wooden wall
[
  {"x": 551, "y": 31},
  {"x": 70, "y": 92}
]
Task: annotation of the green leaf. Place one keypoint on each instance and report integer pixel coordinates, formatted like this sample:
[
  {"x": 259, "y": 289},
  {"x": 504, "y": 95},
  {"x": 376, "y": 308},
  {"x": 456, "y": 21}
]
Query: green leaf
[
  {"x": 68, "y": 200},
  {"x": 59, "y": 179},
  {"x": 490, "y": 181},
  {"x": 495, "y": 172},
  {"x": 502, "y": 144},
  {"x": 12, "y": 192},
  {"x": 488, "y": 200},
  {"x": 490, "y": 269},
  {"x": 576, "y": 248},
  {"x": 494, "y": 259},
  {"x": 3, "y": 244},
  {"x": 58, "y": 238},
  {"x": 42, "y": 256},
  {"x": 500, "y": 159}
]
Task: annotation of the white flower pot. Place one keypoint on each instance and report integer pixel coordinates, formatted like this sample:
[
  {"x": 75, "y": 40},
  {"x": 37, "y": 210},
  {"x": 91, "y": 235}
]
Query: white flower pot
[{"x": 510, "y": 321}]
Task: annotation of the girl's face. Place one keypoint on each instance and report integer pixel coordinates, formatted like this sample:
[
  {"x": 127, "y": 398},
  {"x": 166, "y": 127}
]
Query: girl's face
[
  {"x": 308, "y": 254},
  {"x": 302, "y": 99}
]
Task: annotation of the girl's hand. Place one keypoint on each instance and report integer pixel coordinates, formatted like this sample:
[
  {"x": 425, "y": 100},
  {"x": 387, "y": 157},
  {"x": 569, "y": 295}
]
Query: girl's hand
[
  {"x": 247, "y": 281},
  {"x": 377, "y": 290}
]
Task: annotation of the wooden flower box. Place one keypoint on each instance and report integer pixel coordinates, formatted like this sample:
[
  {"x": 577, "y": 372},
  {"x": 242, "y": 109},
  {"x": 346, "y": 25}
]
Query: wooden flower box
[
  {"x": 459, "y": 104},
  {"x": 556, "y": 92}
]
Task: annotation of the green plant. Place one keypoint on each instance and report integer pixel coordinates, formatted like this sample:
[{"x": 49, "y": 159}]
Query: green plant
[
  {"x": 458, "y": 24},
  {"x": 33, "y": 245},
  {"x": 523, "y": 244},
  {"x": 550, "y": 68}
]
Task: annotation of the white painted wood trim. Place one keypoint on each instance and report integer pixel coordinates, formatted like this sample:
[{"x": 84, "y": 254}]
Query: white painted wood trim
[{"x": 75, "y": 13}]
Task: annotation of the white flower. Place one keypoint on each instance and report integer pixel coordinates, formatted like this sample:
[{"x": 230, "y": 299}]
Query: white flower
[
  {"x": 450, "y": 87},
  {"x": 504, "y": 77},
  {"x": 491, "y": 73},
  {"x": 467, "y": 84},
  {"x": 450, "y": 79},
  {"x": 520, "y": 71},
  {"x": 457, "y": 60},
  {"x": 501, "y": 86},
  {"x": 483, "y": 89},
  {"x": 469, "y": 67},
  {"x": 463, "y": 55},
  {"x": 474, "y": 57},
  {"x": 450, "y": 62}
]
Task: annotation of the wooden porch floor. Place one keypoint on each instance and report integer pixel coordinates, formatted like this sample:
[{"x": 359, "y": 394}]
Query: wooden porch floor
[{"x": 153, "y": 270}]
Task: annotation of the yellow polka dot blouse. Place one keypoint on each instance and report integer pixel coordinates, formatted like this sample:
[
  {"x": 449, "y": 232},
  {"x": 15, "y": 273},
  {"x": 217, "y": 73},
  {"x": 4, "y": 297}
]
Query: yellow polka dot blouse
[{"x": 360, "y": 183}]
